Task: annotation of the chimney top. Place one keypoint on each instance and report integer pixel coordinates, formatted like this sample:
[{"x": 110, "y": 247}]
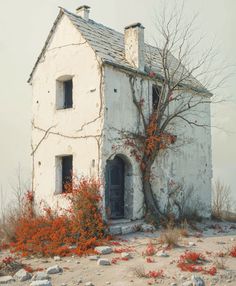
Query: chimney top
[
  {"x": 83, "y": 11},
  {"x": 82, "y": 7},
  {"x": 134, "y": 25}
]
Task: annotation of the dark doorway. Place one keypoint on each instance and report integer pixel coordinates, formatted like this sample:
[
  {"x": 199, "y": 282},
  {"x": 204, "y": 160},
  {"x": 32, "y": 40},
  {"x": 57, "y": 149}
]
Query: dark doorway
[{"x": 115, "y": 188}]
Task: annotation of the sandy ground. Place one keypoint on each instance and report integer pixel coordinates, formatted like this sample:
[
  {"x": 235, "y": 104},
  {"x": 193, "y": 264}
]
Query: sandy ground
[{"x": 213, "y": 240}]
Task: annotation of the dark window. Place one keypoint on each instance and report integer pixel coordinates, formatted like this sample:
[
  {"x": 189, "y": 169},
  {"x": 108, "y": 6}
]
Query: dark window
[
  {"x": 68, "y": 90},
  {"x": 155, "y": 96},
  {"x": 66, "y": 171}
]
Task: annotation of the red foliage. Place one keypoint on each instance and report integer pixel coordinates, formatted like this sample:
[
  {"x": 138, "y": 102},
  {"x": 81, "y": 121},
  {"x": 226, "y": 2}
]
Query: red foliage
[
  {"x": 192, "y": 262},
  {"x": 4, "y": 246},
  {"x": 8, "y": 260},
  {"x": 116, "y": 259},
  {"x": 150, "y": 250},
  {"x": 155, "y": 274},
  {"x": 150, "y": 260},
  {"x": 121, "y": 250},
  {"x": 115, "y": 243},
  {"x": 52, "y": 234},
  {"x": 233, "y": 251}
]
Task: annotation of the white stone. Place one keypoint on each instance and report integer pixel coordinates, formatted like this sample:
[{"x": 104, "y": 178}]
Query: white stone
[
  {"x": 126, "y": 229},
  {"x": 147, "y": 227},
  {"x": 162, "y": 254},
  {"x": 103, "y": 261},
  {"x": 89, "y": 284},
  {"x": 54, "y": 270},
  {"x": 57, "y": 258},
  {"x": 6, "y": 279},
  {"x": 41, "y": 283},
  {"x": 40, "y": 276},
  {"x": 197, "y": 281},
  {"x": 191, "y": 243},
  {"x": 115, "y": 229},
  {"x": 103, "y": 249},
  {"x": 22, "y": 275},
  {"x": 108, "y": 283},
  {"x": 126, "y": 255}
]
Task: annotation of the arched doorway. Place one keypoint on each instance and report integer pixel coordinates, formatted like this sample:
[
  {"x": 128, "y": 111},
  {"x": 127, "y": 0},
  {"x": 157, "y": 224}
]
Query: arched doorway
[{"x": 115, "y": 188}]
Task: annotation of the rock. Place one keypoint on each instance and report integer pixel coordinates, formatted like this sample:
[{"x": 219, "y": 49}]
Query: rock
[
  {"x": 108, "y": 283},
  {"x": 173, "y": 284},
  {"x": 40, "y": 276},
  {"x": 63, "y": 284},
  {"x": 57, "y": 258},
  {"x": 187, "y": 283},
  {"x": 74, "y": 246},
  {"x": 41, "y": 283},
  {"x": 115, "y": 229},
  {"x": 6, "y": 279},
  {"x": 128, "y": 229},
  {"x": 54, "y": 269},
  {"x": 197, "y": 281},
  {"x": 22, "y": 275},
  {"x": 162, "y": 254},
  {"x": 103, "y": 249},
  {"x": 191, "y": 243},
  {"x": 103, "y": 261},
  {"x": 79, "y": 281},
  {"x": 89, "y": 284},
  {"x": 126, "y": 255},
  {"x": 147, "y": 227},
  {"x": 232, "y": 239},
  {"x": 94, "y": 257}
]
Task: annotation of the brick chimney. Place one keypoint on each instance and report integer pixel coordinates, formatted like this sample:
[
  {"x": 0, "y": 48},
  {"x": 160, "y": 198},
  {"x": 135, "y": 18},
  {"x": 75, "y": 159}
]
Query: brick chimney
[
  {"x": 134, "y": 45},
  {"x": 83, "y": 11}
]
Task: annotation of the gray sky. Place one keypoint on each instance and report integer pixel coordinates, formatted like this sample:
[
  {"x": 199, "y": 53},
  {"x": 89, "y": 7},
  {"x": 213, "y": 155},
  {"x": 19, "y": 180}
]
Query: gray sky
[{"x": 24, "y": 26}]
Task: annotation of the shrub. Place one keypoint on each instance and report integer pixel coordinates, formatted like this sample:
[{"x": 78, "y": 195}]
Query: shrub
[
  {"x": 193, "y": 262},
  {"x": 222, "y": 202},
  {"x": 170, "y": 236},
  {"x": 51, "y": 233}
]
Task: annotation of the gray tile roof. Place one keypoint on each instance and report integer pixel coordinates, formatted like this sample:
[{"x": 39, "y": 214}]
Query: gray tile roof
[{"x": 109, "y": 46}]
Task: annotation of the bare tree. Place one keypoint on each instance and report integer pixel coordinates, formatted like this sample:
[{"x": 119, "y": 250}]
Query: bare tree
[
  {"x": 222, "y": 200},
  {"x": 180, "y": 97}
]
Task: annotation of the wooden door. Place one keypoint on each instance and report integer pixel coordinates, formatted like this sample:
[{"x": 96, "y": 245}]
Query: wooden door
[{"x": 115, "y": 188}]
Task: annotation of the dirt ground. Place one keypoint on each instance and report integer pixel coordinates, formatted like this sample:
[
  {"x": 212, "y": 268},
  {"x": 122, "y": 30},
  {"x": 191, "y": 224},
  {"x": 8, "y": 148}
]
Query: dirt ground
[{"x": 215, "y": 237}]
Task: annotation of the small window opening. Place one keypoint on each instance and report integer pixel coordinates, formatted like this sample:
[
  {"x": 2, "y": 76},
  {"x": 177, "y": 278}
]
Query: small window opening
[
  {"x": 64, "y": 93},
  {"x": 64, "y": 172},
  {"x": 155, "y": 96},
  {"x": 68, "y": 87}
]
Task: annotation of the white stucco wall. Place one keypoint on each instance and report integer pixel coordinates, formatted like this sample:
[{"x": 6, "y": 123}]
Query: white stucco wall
[
  {"x": 67, "y": 54},
  {"x": 188, "y": 165}
]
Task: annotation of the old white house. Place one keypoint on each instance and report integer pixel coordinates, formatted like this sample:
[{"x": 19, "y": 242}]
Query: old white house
[{"x": 82, "y": 99}]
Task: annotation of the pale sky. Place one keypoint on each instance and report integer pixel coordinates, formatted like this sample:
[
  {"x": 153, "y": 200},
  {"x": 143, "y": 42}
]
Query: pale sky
[{"x": 24, "y": 26}]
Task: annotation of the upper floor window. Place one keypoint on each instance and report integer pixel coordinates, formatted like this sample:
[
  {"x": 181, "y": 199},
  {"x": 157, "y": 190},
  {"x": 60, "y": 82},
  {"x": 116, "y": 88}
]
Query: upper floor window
[
  {"x": 64, "y": 93},
  {"x": 155, "y": 96}
]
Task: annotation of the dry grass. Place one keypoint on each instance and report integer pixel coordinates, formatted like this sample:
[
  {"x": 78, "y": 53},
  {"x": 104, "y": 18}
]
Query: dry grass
[
  {"x": 219, "y": 262},
  {"x": 139, "y": 271},
  {"x": 170, "y": 236}
]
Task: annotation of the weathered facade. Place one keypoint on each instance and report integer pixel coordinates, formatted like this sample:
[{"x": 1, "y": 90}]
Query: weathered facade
[{"x": 82, "y": 99}]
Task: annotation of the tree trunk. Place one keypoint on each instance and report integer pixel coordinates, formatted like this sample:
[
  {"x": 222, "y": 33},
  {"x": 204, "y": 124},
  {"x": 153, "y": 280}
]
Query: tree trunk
[{"x": 150, "y": 201}]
